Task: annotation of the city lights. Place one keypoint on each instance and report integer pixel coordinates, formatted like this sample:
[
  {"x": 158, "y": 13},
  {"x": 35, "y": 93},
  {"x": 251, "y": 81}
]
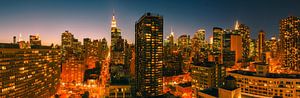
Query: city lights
[{"x": 149, "y": 49}]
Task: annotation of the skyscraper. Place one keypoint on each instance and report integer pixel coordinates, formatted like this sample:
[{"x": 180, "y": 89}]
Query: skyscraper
[
  {"x": 66, "y": 43},
  {"x": 200, "y": 34},
  {"x": 218, "y": 44},
  {"x": 290, "y": 42},
  {"x": 14, "y": 39},
  {"x": 149, "y": 55},
  {"x": 117, "y": 43},
  {"x": 72, "y": 59},
  {"x": 245, "y": 33},
  {"x": 261, "y": 45}
]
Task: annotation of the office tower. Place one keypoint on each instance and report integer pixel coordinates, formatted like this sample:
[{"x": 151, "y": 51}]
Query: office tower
[
  {"x": 273, "y": 47},
  {"x": 72, "y": 59},
  {"x": 199, "y": 46},
  {"x": 87, "y": 43},
  {"x": 245, "y": 33},
  {"x": 66, "y": 44},
  {"x": 183, "y": 41},
  {"x": 290, "y": 42},
  {"x": 232, "y": 49},
  {"x": 14, "y": 39},
  {"x": 171, "y": 37},
  {"x": 252, "y": 49},
  {"x": 200, "y": 34},
  {"x": 218, "y": 44},
  {"x": 104, "y": 50},
  {"x": 35, "y": 40},
  {"x": 29, "y": 73},
  {"x": 261, "y": 45},
  {"x": 149, "y": 55},
  {"x": 206, "y": 75},
  {"x": 184, "y": 46},
  {"x": 117, "y": 43},
  {"x": 169, "y": 45}
]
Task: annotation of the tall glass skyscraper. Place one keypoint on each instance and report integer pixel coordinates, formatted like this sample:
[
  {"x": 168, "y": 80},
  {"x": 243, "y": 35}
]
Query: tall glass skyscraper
[{"x": 149, "y": 55}]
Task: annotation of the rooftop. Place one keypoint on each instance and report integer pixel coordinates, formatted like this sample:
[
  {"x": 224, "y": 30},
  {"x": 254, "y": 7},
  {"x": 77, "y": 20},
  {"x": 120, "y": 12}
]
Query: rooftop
[
  {"x": 269, "y": 75},
  {"x": 211, "y": 91}
]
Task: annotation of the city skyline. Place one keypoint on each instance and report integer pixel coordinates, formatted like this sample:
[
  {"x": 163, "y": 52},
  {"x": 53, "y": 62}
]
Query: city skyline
[
  {"x": 92, "y": 19},
  {"x": 149, "y": 49}
]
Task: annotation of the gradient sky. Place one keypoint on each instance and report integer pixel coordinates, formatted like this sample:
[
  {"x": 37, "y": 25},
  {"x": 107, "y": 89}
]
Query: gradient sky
[{"x": 91, "y": 18}]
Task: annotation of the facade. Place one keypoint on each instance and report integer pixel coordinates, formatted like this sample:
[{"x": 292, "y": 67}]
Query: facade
[
  {"x": 66, "y": 44},
  {"x": 72, "y": 59},
  {"x": 245, "y": 33},
  {"x": 149, "y": 55},
  {"x": 73, "y": 70},
  {"x": 289, "y": 42},
  {"x": 218, "y": 44},
  {"x": 232, "y": 47},
  {"x": 206, "y": 75},
  {"x": 200, "y": 34},
  {"x": 117, "y": 44},
  {"x": 264, "y": 84},
  {"x": 261, "y": 46},
  {"x": 29, "y": 73},
  {"x": 228, "y": 90},
  {"x": 119, "y": 91},
  {"x": 35, "y": 40},
  {"x": 252, "y": 49}
]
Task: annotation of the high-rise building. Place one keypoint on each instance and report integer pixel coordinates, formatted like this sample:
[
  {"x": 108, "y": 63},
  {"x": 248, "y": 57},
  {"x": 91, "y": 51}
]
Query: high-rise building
[
  {"x": 261, "y": 45},
  {"x": 290, "y": 42},
  {"x": 184, "y": 41},
  {"x": 117, "y": 43},
  {"x": 218, "y": 44},
  {"x": 206, "y": 75},
  {"x": 245, "y": 33},
  {"x": 66, "y": 43},
  {"x": 29, "y": 73},
  {"x": 200, "y": 34},
  {"x": 199, "y": 45},
  {"x": 273, "y": 47},
  {"x": 35, "y": 40},
  {"x": 149, "y": 55},
  {"x": 14, "y": 39},
  {"x": 252, "y": 49},
  {"x": 72, "y": 59},
  {"x": 232, "y": 47}
]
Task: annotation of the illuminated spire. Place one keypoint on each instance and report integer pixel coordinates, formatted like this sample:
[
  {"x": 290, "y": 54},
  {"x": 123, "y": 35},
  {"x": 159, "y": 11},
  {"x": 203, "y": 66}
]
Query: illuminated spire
[
  {"x": 113, "y": 21},
  {"x": 172, "y": 33},
  {"x": 236, "y": 26}
]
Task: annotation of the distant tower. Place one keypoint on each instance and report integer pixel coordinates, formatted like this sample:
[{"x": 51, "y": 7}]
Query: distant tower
[
  {"x": 113, "y": 21},
  {"x": 236, "y": 26},
  {"x": 35, "y": 40},
  {"x": 14, "y": 40},
  {"x": 218, "y": 44},
  {"x": 117, "y": 43},
  {"x": 261, "y": 45}
]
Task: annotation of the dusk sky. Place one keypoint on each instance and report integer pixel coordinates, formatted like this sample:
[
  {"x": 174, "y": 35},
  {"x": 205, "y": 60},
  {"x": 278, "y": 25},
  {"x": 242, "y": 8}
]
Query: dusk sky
[{"x": 92, "y": 18}]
